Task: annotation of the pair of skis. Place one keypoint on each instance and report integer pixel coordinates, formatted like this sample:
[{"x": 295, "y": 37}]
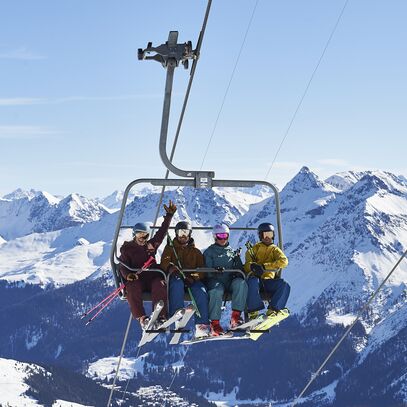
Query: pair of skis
[
  {"x": 181, "y": 316},
  {"x": 252, "y": 329}
]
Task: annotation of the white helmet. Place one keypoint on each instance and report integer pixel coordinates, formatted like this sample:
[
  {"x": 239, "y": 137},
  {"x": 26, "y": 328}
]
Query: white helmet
[{"x": 222, "y": 228}]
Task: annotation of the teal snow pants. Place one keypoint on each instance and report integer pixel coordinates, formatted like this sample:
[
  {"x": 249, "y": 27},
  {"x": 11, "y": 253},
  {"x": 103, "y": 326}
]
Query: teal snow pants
[{"x": 216, "y": 289}]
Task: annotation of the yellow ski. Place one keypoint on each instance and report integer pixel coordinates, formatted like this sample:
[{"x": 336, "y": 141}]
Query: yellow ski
[{"x": 268, "y": 323}]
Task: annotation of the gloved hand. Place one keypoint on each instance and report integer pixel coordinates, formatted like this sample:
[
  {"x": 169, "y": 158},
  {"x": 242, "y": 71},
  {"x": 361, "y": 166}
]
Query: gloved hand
[
  {"x": 171, "y": 208},
  {"x": 220, "y": 269},
  {"x": 174, "y": 271},
  {"x": 131, "y": 277},
  {"x": 189, "y": 281},
  {"x": 257, "y": 269}
]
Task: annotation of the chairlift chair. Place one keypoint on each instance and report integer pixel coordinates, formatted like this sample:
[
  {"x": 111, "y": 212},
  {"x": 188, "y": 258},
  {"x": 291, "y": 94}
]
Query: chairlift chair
[{"x": 170, "y": 55}]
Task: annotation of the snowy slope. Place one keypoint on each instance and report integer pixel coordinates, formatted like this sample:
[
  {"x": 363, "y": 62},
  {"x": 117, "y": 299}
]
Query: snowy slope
[
  {"x": 22, "y": 214},
  {"x": 13, "y": 386},
  {"x": 341, "y": 245},
  {"x": 74, "y": 253},
  {"x": 114, "y": 200},
  {"x": 341, "y": 241}
]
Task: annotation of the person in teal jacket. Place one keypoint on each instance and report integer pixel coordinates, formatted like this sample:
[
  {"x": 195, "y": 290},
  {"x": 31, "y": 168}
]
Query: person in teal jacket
[{"x": 221, "y": 256}]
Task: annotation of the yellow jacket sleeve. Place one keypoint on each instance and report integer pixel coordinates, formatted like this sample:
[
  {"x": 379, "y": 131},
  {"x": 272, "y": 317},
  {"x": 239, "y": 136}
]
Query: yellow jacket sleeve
[{"x": 278, "y": 261}]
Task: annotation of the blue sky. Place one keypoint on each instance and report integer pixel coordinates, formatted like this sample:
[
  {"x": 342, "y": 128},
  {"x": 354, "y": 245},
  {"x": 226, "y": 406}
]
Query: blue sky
[{"x": 80, "y": 113}]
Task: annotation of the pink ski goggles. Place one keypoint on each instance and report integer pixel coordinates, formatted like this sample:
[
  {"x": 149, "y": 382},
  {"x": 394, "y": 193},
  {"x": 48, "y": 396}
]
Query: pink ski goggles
[{"x": 222, "y": 236}]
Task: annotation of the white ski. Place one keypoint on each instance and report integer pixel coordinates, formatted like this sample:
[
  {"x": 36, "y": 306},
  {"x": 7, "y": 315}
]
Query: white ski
[
  {"x": 189, "y": 312},
  {"x": 157, "y": 309},
  {"x": 154, "y": 332},
  {"x": 214, "y": 338}
]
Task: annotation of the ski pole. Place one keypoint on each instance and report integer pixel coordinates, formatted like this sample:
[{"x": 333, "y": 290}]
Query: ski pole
[
  {"x": 170, "y": 242},
  {"x": 112, "y": 294},
  {"x": 106, "y": 301},
  {"x": 101, "y": 309},
  {"x": 249, "y": 247}
]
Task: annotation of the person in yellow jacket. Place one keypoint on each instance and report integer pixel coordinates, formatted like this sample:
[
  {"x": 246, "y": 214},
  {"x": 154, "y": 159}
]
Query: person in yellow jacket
[{"x": 263, "y": 261}]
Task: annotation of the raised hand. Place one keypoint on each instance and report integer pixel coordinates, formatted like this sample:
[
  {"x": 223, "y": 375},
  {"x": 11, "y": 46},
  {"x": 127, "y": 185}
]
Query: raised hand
[{"x": 171, "y": 208}]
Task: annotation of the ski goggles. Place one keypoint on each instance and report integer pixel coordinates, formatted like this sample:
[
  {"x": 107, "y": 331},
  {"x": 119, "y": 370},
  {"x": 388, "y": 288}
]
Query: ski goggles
[
  {"x": 269, "y": 234},
  {"x": 142, "y": 235},
  {"x": 222, "y": 236},
  {"x": 183, "y": 232}
]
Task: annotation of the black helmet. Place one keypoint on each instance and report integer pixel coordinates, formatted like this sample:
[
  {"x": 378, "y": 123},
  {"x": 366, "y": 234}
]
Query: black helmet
[
  {"x": 265, "y": 227},
  {"x": 183, "y": 224}
]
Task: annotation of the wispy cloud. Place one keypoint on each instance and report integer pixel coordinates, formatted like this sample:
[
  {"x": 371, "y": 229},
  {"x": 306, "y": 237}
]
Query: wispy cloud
[
  {"x": 21, "y": 53},
  {"x": 26, "y": 101},
  {"x": 20, "y": 101},
  {"x": 26, "y": 132},
  {"x": 334, "y": 162}
]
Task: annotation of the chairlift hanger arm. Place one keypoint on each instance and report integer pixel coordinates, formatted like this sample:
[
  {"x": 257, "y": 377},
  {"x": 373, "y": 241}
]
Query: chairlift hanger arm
[{"x": 170, "y": 55}]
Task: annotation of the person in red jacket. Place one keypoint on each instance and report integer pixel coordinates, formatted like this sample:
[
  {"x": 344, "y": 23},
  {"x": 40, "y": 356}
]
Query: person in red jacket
[{"x": 137, "y": 252}]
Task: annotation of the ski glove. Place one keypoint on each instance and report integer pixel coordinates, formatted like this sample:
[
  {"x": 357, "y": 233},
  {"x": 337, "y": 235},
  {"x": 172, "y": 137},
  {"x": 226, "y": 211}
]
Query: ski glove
[
  {"x": 174, "y": 271},
  {"x": 171, "y": 208},
  {"x": 220, "y": 269},
  {"x": 131, "y": 277},
  {"x": 257, "y": 269},
  {"x": 188, "y": 281}
]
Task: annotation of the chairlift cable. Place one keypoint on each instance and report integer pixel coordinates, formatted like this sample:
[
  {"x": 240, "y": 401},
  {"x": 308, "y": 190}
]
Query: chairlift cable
[
  {"x": 192, "y": 74},
  {"x": 361, "y": 311},
  {"x": 120, "y": 360},
  {"x": 230, "y": 82},
  {"x": 307, "y": 87},
  {"x": 182, "y": 361},
  {"x": 128, "y": 380}
]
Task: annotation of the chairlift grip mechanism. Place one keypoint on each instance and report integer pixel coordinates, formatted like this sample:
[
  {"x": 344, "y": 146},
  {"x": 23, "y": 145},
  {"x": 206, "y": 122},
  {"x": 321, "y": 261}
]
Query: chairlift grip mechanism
[{"x": 170, "y": 55}]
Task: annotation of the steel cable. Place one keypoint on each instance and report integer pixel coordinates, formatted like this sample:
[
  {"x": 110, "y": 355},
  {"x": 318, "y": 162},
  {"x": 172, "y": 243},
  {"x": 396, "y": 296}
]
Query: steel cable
[
  {"x": 192, "y": 74},
  {"x": 230, "y": 82},
  {"x": 362, "y": 310},
  {"x": 306, "y": 88}
]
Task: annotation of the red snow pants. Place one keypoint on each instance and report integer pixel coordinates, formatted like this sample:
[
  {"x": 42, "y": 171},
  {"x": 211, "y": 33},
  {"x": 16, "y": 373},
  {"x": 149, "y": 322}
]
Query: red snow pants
[{"x": 148, "y": 282}]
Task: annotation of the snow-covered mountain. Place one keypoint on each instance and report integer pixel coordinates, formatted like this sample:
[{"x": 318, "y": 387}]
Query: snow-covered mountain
[
  {"x": 22, "y": 384},
  {"x": 114, "y": 200},
  {"x": 38, "y": 212},
  {"x": 73, "y": 253},
  {"x": 342, "y": 236}
]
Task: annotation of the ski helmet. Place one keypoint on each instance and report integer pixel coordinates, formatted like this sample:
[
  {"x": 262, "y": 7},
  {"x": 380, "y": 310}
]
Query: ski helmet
[
  {"x": 219, "y": 229},
  {"x": 265, "y": 227},
  {"x": 142, "y": 227},
  {"x": 183, "y": 228},
  {"x": 183, "y": 224}
]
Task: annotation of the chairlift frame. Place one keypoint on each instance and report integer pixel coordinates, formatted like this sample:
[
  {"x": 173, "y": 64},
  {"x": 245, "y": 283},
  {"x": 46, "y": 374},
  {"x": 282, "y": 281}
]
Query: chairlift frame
[{"x": 170, "y": 55}]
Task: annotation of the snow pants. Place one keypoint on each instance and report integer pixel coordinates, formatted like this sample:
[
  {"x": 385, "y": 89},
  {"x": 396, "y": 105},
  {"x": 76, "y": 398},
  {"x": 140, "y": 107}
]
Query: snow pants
[
  {"x": 279, "y": 290},
  {"x": 176, "y": 298},
  {"x": 148, "y": 281},
  {"x": 217, "y": 287}
]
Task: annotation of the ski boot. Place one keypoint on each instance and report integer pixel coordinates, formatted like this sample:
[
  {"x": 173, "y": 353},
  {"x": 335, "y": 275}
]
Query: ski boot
[
  {"x": 201, "y": 330},
  {"x": 235, "y": 319},
  {"x": 271, "y": 312},
  {"x": 253, "y": 315},
  {"x": 144, "y": 320},
  {"x": 216, "y": 329}
]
